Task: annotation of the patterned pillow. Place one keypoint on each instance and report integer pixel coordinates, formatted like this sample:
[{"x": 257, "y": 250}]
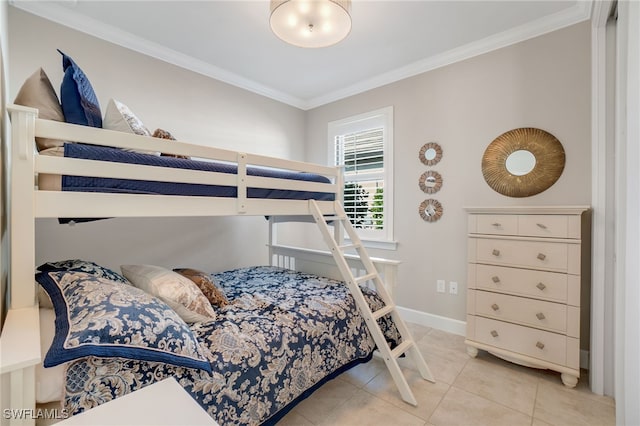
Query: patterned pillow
[
  {"x": 79, "y": 101},
  {"x": 180, "y": 293},
  {"x": 38, "y": 92},
  {"x": 205, "y": 283},
  {"x": 163, "y": 134},
  {"x": 79, "y": 265},
  {"x": 99, "y": 317},
  {"x": 120, "y": 118}
]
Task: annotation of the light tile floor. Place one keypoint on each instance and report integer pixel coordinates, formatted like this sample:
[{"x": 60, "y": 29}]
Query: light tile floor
[{"x": 468, "y": 391}]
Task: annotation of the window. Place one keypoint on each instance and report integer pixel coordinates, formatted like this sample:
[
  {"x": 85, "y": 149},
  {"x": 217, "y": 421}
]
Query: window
[{"x": 363, "y": 145}]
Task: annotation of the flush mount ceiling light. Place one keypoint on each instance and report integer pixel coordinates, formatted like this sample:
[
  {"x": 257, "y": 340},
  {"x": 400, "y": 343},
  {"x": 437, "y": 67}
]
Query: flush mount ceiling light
[{"x": 311, "y": 23}]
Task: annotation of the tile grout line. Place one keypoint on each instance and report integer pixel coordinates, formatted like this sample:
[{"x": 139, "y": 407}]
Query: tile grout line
[
  {"x": 439, "y": 402},
  {"x": 535, "y": 400}
]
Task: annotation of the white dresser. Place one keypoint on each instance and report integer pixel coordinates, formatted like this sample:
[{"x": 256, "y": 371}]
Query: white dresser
[{"x": 524, "y": 285}]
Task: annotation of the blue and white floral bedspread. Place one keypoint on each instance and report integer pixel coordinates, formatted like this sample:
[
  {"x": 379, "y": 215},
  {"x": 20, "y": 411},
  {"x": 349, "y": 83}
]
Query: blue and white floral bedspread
[{"x": 283, "y": 335}]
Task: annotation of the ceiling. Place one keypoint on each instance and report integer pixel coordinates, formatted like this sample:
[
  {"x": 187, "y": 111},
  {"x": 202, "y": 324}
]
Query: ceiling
[{"x": 390, "y": 40}]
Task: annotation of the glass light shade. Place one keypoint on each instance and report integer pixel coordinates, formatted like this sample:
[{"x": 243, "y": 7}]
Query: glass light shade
[{"x": 311, "y": 23}]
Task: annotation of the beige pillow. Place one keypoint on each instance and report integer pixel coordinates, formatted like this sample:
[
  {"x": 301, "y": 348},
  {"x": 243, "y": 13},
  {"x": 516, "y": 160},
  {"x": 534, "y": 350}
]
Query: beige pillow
[
  {"x": 37, "y": 92},
  {"x": 179, "y": 292},
  {"x": 204, "y": 282},
  {"x": 44, "y": 301},
  {"x": 50, "y": 380}
]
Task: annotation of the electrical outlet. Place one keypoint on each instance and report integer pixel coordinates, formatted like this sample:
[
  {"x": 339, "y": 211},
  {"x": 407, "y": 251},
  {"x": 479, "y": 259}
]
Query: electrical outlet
[
  {"x": 440, "y": 286},
  {"x": 453, "y": 287}
]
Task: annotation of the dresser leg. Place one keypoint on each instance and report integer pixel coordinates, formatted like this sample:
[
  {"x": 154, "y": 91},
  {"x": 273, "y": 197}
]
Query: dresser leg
[
  {"x": 473, "y": 352},
  {"x": 569, "y": 380}
]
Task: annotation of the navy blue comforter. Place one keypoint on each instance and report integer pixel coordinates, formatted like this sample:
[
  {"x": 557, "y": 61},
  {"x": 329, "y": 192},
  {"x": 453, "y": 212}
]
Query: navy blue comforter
[{"x": 93, "y": 184}]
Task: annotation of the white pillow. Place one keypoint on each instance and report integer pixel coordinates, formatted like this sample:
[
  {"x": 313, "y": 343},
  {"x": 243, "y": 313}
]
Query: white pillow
[
  {"x": 179, "y": 292},
  {"x": 49, "y": 381},
  {"x": 120, "y": 118}
]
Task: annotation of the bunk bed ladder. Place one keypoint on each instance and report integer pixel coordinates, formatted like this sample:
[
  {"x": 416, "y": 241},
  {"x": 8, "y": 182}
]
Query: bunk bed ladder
[{"x": 407, "y": 346}]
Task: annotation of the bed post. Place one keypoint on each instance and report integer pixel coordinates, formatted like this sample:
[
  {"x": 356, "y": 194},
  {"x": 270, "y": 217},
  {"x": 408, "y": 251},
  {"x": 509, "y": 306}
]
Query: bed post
[
  {"x": 21, "y": 212},
  {"x": 272, "y": 240},
  {"x": 20, "y": 339}
]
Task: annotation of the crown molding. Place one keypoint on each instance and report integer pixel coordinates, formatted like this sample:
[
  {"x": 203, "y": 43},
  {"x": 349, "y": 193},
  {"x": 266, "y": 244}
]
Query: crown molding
[
  {"x": 92, "y": 27},
  {"x": 580, "y": 12}
]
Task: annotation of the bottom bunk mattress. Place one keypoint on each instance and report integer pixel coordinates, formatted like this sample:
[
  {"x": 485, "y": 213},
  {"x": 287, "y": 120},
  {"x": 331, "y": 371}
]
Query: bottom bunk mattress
[{"x": 282, "y": 335}]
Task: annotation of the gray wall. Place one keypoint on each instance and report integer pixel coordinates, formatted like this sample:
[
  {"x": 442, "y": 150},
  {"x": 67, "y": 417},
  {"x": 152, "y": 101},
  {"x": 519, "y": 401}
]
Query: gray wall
[
  {"x": 543, "y": 82},
  {"x": 193, "y": 108}
]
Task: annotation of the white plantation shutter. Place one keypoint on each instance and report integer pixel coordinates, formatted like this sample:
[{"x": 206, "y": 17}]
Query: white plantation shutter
[
  {"x": 362, "y": 155},
  {"x": 363, "y": 145}
]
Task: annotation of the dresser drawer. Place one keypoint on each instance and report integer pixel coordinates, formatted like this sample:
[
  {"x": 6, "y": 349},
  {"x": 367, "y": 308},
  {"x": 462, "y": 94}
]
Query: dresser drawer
[
  {"x": 527, "y": 254},
  {"x": 523, "y": 282},
  {"x": 537, "y": 313},
  {"x": 543, "y": 226},
  {"x": 532, "y": 342},
  {"x": 495, "y": 224}
]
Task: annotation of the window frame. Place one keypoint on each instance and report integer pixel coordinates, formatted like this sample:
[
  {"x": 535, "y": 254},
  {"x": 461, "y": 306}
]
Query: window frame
[{"x": 382, "y": 117}]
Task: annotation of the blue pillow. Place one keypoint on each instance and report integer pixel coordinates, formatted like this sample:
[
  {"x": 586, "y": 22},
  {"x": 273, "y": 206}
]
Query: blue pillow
[
  {"x": 79, "y": 265},
  {"x": 79, "y": 102},
  {"x": 99, "y": 317}
]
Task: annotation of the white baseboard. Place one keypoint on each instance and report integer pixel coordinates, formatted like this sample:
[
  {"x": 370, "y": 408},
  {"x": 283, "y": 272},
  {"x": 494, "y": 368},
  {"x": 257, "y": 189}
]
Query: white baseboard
[
  {"x": 456, "y": 326},
  {"x": 434, "y": 321}
]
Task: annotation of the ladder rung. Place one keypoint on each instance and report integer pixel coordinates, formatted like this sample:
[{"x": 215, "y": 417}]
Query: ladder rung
[
  {"x": 349, "y": 246},
  {"x": 384, "y": 311},
  {"x": 365, "y": 278},
  {"x": 332, "y": 218},
  {"x": 401, "y": 348}
]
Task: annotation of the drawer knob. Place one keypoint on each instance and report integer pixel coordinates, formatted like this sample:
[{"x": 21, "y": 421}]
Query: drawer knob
[
  {"x": 495, "y": 252},
  {"x": 541, "y": 286},
  {"x": 541, "y": 256},
  {"x": 540, "y": 316},
  {"x": 496, "y": 224},
  {"x": 541, "y": 226},
  {"x": 494, "y": 333},
  {"x": 495, "y": 279},
  {"x": 540, "y": 345},
  {"x": 495, "y": 307}
]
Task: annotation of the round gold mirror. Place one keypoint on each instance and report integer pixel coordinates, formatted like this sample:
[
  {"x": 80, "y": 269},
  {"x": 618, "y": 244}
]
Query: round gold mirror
[
  {"x": 430, "y": 154},
  {"x": 430, "y": 182},
  {"x": 523, "y": 162},
  {"x": 430, "y": 210}
]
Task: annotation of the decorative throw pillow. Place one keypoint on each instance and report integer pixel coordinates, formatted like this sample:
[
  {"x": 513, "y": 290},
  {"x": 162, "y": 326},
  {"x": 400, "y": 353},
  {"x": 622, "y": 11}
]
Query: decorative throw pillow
[
  {"x": 99, "y": 317},
  {"x": 38, "y": 92},
  {"x": 79, "y": 102},
  {"x": 205, "y": 283},
  {"x": 79, "y": 265},
  {"x": 163, "y": 134},
  {"x": 120, "y": 118},
  {"x": 180, "y": 293}
]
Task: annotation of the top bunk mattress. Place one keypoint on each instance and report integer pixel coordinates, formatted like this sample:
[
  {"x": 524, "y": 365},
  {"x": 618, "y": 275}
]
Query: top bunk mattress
[{"x": 130, "y": 186}]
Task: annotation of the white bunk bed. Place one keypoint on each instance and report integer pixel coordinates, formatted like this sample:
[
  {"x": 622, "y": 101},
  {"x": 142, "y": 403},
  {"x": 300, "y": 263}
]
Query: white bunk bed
[{"x": 20, "y": 340}]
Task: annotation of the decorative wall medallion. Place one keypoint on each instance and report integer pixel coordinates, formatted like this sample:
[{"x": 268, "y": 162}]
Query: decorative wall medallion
[
  {"x": 430, "y": 182},
  {"x": 430, "y": 154},
  {"x": 430, "y": 210},
  {"x": 523, "y": 162}
]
